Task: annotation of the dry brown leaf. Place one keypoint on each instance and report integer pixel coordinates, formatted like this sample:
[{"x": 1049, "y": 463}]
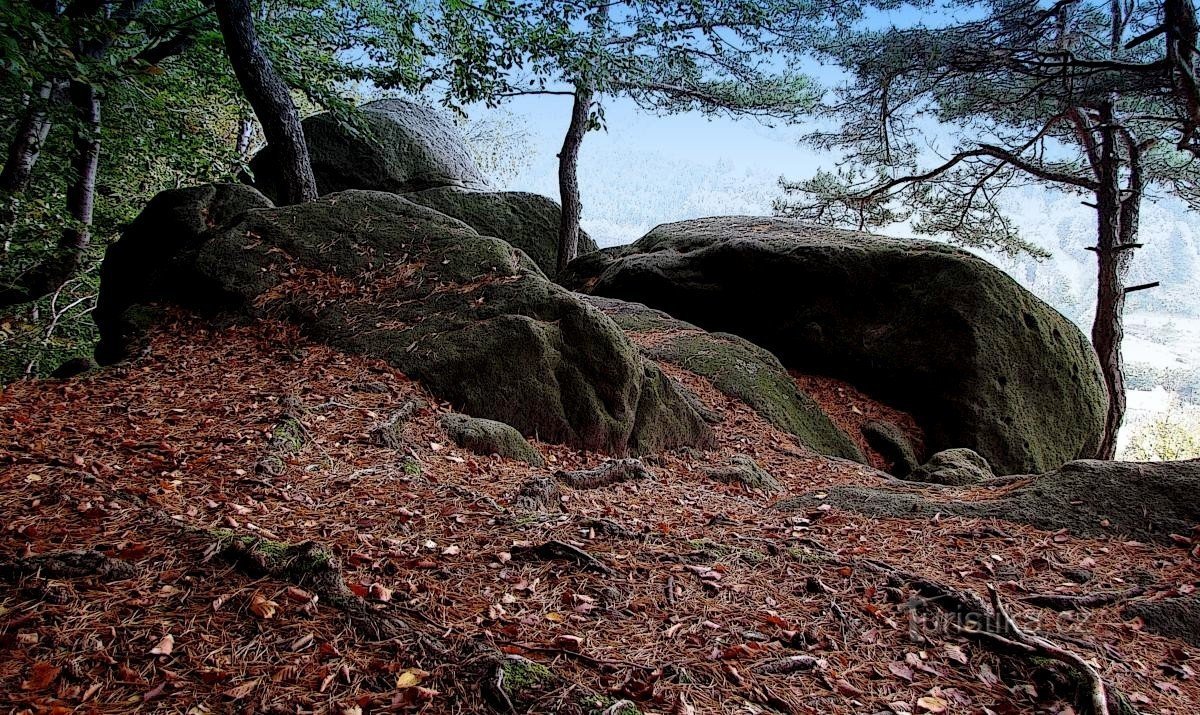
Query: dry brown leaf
[
  {"x": 41, "y": 676},
  {"x": 165, "y": 646},
  {"x": 240, "y": 691},
  {"x": 262, "y": 607}
]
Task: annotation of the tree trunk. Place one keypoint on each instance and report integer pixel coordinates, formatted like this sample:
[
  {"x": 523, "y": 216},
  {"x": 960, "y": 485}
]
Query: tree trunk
[
  {"x": 1116, "y": 232},
  {"x": 271, "y": 100},
  {"x": 568, "y": 178},
  {"x": 245, "y": 134},
  {"x": 27, "y": 141},
  {"x": 81, "y": 194}
]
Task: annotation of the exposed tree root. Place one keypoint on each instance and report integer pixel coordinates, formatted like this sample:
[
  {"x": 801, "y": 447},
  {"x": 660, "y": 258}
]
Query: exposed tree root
[
  {"x": 390, "y": 432},
  {"x": 1097, "y": 695},
  {"x": 1060, "y": 602},
  {"x": 68, "y": 564},
  {"x": 560, "y": 551},
  {"x": 995, "y": 628},
  {"x": 611, "y": 472},
  {"x": 538, "y": 494}
]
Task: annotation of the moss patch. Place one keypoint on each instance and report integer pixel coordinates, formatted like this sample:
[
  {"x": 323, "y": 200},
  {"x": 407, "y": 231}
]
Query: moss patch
[{"x": 739, "y": 369}]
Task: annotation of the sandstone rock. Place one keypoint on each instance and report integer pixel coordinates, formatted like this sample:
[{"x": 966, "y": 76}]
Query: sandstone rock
[{"x": 977, "y": 360}]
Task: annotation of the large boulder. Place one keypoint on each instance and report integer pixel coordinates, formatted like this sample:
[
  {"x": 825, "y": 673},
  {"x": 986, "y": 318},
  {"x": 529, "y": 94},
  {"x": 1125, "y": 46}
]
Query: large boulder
[
  {"x": 369, "y": 272},
  {"x": 977, "y": 360},
  {"x": 137, "y": 271},
  {"x": 527, "y": 221},
  {"x": 396, "y": 146},
  {"x": 736, "y": 367}
]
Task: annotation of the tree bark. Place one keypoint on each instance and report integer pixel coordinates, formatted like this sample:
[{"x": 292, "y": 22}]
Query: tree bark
[
  {"x": 245, "y": 134},
  {"x": 1117, "y": 219},
  {"x": 271, "y": 100},
  {"x": 26, "y": 146},
  {"x": 81, "y": 194},
  {"x": 568, "y": 178}
]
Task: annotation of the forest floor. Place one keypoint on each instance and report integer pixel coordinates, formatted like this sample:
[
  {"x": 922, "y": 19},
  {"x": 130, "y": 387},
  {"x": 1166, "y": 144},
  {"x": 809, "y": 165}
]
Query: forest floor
[{"x": 669, "y": 594}]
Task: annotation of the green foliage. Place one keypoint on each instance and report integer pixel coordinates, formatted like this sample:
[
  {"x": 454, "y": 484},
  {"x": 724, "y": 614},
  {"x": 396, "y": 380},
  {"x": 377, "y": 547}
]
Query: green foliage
[
  {"x": 172, "y": 115},
  {"x": 721, "y": 56},
  {"x": 1017, "y": 89},
  {"x": 1174, "y": 434}
]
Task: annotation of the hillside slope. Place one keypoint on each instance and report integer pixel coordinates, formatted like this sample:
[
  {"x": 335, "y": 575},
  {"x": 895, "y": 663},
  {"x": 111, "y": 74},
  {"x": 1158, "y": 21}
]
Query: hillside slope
[{"x": 453, "y": 582}]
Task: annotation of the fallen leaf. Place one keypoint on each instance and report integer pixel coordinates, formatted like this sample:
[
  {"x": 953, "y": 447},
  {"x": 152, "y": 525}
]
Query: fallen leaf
[
  {"x": 240, "y": 691},
  {"x": 41, "y": 676},
  {"x": 263, "y": 608},
  {"x": 932, "y": 704},
  {"x": 955, "y": 653},
  {"x": 165, "y": 646},
  {"x": 900, "y": 670},
  {"x": 411, "y": 678}
]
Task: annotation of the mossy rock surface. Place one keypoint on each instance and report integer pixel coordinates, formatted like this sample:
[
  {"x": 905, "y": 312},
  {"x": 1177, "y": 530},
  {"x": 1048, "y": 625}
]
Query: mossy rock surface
[
  {"x": 528, "y": 221},
  {"x": 391, "y": 145},
  {"x": 953, "y": 467},
  {"x": 487, "y": 437},
  {"x": 1172, "y": 617},
  {"x": 977, "y": 360},
  {"x": 141, "y": 267},
  {"x": 737, "y": 368},
  {"x": 1147, "y": 501},
  {"x": 892, "y": 444},
  {"x": 469, "y": 316}
]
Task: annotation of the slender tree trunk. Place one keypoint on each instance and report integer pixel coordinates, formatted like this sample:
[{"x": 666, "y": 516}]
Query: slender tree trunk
[
  {"x": 1115, "y": 238},
  {"x": 26, "y": 145},
  {"x": 245, "y": 134},
  {"x": 271, "y": 100},
  {"x": 81, "y": 194},
  {"x": 568, "y": 178}
]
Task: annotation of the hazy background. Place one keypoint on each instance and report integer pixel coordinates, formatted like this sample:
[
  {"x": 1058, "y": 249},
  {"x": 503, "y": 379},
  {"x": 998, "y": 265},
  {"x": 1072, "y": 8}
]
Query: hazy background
[{"x": 644, "y": 170}]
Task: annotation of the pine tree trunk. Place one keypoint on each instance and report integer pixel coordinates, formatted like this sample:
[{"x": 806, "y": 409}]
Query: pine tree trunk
[
  {"x": 568, "y": 178},
  {"x": 1108, "y": 328},
  {"x": 1116, "y": 232},
  {"x": 271, "y": 100}
]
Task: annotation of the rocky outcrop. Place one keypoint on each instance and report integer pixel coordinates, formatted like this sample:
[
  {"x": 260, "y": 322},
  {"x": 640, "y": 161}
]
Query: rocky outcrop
[
  {"x": 953, "y": 467},
  {"x": 369, "y": 272},
  {"x": 978, "y": 361},
  {"x": 737, "y": 368},
  {"x": 138, "y": 270},
  {"x": 527, "y": 221},
  {"x": 1148, "y": 501},
  {"x": 487, "y": 437},
  {"x": 388, "y": 145},
  {"x": 893, "y": 445}
]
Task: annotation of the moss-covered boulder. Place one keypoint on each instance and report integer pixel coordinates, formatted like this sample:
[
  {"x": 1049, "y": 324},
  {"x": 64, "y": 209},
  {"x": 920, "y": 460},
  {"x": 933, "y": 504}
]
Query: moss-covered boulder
[
  {"x": 138, "y": 270},
  {"x": 469, "y": 316},
  {"x": 487, "y": 437},
  {"x": 892, "y": 444},
  {"x": 388, "y": 145},
  {"x": 527, "y": 221},
  {"x": 1144, "y": 500},
  {"x": 737, "y": 368},
  {"x": 977, "y": 360},
  {"x": 953, "y": 467}
]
